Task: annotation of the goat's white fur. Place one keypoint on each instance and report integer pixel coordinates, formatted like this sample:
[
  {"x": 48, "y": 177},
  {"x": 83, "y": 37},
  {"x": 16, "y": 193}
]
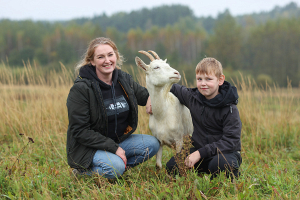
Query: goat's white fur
[{"x": 170, "y": 120}]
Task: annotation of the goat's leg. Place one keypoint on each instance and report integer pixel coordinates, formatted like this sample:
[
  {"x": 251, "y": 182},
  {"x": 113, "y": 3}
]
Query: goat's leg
[
  {"x": 179, "y": 144},
  {"x": 158, "y": 157}
]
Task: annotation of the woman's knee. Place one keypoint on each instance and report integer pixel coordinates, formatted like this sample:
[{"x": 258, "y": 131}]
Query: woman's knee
[
  {"x": 153, "y": 146},
  {"x": 109, "y": 170},
  {"x": 150, "y": 143},
  {"x": 107, "y": 164}
]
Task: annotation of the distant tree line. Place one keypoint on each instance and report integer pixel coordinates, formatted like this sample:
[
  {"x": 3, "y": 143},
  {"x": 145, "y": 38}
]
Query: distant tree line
[{"x": 264, "y": 45}]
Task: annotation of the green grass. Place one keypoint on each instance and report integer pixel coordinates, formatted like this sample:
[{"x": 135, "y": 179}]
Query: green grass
[{"x": 39, "y": 175}]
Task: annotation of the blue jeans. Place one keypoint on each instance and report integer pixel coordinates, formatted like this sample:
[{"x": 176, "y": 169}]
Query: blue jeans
[{"x": 138, "y": 148}]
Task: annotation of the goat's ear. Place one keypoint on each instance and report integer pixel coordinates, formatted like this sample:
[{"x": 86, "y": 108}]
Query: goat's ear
[
  {"x": 141, "y": 64},
  {"x": 166, "y": 60}
]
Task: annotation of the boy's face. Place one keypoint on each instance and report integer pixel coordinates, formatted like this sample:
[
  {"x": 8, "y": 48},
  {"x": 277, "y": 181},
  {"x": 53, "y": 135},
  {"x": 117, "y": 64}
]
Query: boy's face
[{"x": 208, "y": 85}]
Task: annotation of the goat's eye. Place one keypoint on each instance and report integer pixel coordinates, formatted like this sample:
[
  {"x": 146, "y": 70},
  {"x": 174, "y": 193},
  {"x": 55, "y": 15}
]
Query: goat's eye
[{"x": 157, "y": 67}]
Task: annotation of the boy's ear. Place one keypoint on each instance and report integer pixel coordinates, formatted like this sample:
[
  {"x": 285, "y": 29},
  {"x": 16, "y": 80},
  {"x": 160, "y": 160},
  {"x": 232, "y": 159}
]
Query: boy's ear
[{"x": 221, "y": 79}]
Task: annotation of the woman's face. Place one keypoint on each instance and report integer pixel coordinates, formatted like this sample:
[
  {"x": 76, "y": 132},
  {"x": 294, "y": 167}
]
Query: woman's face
[{"x": 104, "y": 60}]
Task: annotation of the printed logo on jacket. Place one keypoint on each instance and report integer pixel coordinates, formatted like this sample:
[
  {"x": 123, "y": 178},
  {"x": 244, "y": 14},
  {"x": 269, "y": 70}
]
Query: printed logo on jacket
[{"x": 121, "y": 105}]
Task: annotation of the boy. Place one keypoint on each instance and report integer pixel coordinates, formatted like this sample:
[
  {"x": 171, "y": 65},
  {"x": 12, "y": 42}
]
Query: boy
[{"x": 216, "y": 120}]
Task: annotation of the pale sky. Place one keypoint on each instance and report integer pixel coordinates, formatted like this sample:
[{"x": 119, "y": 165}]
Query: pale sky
[{"x": 70, "y": 9}]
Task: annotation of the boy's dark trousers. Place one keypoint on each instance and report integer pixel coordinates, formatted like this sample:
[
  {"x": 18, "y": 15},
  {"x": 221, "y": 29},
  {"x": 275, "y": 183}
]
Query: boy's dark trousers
[{"x": 229, "y": 162}]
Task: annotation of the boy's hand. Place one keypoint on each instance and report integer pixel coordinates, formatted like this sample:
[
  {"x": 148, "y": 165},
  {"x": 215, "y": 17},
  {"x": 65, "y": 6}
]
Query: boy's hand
[
  {"x": 192, "y": 159},
  {"x": 148, "y": 106}
]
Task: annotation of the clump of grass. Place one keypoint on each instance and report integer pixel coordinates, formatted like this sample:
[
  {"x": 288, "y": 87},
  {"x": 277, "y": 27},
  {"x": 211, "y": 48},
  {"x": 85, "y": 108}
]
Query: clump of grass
[{"x": 182, "y": 155}]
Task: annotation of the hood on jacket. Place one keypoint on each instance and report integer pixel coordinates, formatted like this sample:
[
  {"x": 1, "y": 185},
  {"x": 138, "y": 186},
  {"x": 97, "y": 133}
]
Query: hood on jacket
[{"x": 89, "y": 71}]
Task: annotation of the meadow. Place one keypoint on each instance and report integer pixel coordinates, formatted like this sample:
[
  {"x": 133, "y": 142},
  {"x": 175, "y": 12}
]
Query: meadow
[{"x": 33, "y": 161}]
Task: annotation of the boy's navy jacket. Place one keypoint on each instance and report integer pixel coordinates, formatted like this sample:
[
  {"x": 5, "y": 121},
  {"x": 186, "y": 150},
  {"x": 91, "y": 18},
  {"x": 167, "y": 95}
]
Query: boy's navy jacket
[{"x": 217, "y": 124}]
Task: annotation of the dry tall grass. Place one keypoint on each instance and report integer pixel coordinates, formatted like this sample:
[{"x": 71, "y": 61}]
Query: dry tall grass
[
  {"x": 34, "y": 104},
  {"x": 270, "y": 115}
]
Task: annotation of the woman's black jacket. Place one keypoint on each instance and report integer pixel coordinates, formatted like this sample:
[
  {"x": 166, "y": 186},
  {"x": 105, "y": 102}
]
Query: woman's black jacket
[{"x": 88, "y": 122}]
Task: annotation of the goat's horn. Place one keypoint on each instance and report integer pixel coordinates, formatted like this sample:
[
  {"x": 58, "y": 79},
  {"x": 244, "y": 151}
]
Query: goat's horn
[
  {"x": 147, "y": 54},
  {"x": 155, "y": 54}
]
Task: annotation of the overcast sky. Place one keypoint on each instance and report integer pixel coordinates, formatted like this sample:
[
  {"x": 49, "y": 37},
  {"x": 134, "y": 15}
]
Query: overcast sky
[{"x": 70, "y": 9}]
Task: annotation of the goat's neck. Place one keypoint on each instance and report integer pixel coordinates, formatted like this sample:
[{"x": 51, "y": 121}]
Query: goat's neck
[{"x": 159, "y": 97}]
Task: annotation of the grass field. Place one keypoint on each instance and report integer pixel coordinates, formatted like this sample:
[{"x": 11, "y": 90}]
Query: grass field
[{"x": 33, "y": 160}]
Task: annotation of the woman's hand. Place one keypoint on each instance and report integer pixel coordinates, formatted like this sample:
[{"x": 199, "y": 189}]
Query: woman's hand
[
  {"x": 148, "y": 106},
  {"x": 192, "y": 159},
  {"x": 121, "y": 153}
]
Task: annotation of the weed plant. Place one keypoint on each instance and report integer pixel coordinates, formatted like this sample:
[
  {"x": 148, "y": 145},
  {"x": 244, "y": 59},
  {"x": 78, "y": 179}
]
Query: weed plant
[{"x": 33, "y": 162}]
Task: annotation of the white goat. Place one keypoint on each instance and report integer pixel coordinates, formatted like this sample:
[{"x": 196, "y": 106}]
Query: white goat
[{"x": 170, "y": 120}]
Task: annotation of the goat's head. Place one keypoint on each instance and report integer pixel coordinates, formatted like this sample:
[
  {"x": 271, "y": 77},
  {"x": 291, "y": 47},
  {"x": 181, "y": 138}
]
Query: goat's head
[{"x": 158, "y": 72}]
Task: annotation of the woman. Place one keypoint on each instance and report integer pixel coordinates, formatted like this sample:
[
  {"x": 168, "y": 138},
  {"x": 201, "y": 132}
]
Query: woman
[{"x": 103, "y": 114}]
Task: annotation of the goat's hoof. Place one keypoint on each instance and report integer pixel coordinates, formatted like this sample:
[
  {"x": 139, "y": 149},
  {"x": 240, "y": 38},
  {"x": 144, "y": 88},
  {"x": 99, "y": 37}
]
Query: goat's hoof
[{"x": 158, "y": 167}]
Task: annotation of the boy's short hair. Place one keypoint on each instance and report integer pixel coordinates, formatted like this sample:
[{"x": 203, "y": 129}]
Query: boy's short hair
[{"x": 209, "y": 66}]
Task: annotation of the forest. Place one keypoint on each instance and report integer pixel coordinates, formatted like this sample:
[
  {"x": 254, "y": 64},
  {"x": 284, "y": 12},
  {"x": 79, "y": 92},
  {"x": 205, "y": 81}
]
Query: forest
[{"x": 264, "y": 46}]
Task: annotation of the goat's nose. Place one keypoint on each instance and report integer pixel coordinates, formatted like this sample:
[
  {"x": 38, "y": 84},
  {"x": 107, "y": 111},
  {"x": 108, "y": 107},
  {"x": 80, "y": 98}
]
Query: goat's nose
[{"x": 177, "y": 73}]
